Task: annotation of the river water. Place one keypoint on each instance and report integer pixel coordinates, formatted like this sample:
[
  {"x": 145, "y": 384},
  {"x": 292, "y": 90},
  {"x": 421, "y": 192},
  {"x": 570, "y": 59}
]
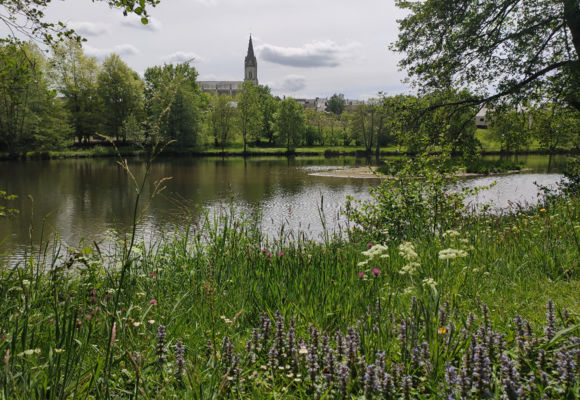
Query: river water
[{"x": 83, "y": 200}]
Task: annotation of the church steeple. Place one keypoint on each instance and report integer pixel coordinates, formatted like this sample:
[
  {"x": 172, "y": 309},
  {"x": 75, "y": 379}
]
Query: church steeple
[{"x": 251, "y": 64}]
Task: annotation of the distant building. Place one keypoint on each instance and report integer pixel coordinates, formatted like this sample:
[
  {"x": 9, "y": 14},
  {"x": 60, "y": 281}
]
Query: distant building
[
  {"x": 318, "y": 104},
  {"x": 351, "y": 104},
  {"x": 233, "y": 87},
  {"x": 481, "y": 120}
]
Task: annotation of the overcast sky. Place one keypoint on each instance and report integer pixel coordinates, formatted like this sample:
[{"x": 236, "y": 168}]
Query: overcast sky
[{"x": 305, "y": 48}]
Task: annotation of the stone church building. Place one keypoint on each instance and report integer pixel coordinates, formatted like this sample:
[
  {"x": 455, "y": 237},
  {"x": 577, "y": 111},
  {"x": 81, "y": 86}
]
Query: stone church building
[{"x": 233, "y": 87}]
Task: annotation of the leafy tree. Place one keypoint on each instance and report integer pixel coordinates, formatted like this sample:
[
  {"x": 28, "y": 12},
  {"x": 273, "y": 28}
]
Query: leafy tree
[
  {"x": 249, "y": 113},
  {"x": 290, "y": 122},
  {"x": 121, "y": 91},
  {"x": 132, "y": 129},
  {"x": 27, "y": 17},
  {"x": 29, "y": 111},
  {"x": 221, "y": 119},
  {"x": 75, "y": 77},
  {"x": 367, "y": 123},
  {"x": 555, "y": 125},
  {"x": 268, "y": 109},
  {"x": 336, "y": 103},
  {"x": 512, "y": 47},
  {"x": 314, "y": 120},
  {"x": 511, "y": 127},
  {"x": 345, "y": 124},
  {"x": 174, "y": 102}
]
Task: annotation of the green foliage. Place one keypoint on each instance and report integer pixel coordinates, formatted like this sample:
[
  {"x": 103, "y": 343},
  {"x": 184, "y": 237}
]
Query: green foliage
[
  {"x": 221, "y": 119},
  {"x": 336, "y": 103},
  {"x": 206, "y": 288},
  {"x": 174, "y": 103},
  {"x": 413, "y": 202},
  {"x": 511, "y": 128},
  {"x": 556, "y": 126},
  {"x": 268, "y": 109},
  {"x": 249, "y": 113},
  {"x": 29, "y": 111},
  {"x": 508, "y": 48},
  {"x": 485, "y": 167},
  {"x": 121, "y": 92},
  {"x": 290, "y": 123},
  {"x": 75, "y": 77}
]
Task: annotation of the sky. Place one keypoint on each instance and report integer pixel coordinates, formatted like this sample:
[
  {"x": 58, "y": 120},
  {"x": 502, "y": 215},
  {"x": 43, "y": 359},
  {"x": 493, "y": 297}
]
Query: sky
[{"x": 305, "y": 48}]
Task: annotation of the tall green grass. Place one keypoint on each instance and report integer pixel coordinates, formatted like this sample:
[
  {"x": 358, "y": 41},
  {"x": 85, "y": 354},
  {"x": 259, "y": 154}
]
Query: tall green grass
[{"x": 219, "y": 311}]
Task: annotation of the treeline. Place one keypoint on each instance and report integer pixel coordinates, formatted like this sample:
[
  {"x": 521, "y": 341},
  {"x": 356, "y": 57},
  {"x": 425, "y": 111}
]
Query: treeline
[{"x": 50, "y": 101}]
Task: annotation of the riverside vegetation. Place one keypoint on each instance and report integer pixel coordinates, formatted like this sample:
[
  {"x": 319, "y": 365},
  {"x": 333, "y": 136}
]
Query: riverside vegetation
[{"x": 422, "y": 299}]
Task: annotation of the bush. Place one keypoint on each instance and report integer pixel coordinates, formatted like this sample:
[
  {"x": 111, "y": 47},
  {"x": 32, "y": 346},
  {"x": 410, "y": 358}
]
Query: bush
[{"x": 413, "y": 202}]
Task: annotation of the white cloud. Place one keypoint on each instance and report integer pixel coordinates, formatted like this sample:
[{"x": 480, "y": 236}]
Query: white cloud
[
  {"x": 134, "y": 21},
  {"x": 89, "y": 28},
  {"x": 315, "y": 54},
  {"x": 181, "y": 56},
  {"x": 121, "y": 50},
  {"x": 290, "y": 83}
]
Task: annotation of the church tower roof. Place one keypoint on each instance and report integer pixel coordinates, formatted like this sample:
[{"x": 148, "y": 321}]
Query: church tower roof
[{"x": 250, "y": 57}]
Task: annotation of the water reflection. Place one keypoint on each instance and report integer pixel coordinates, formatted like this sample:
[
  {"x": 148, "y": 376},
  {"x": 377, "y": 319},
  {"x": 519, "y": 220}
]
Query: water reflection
[{"x": 85, "y": 198}]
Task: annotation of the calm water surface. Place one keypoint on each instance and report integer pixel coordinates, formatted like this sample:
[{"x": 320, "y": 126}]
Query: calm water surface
[{"x": 86, "y": 199}]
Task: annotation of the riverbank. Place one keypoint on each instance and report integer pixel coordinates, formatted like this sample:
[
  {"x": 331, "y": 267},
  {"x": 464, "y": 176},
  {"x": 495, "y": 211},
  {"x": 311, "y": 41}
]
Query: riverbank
[
  {"x": 110, "y": 152},
  {"x": 220, "y": 312}
]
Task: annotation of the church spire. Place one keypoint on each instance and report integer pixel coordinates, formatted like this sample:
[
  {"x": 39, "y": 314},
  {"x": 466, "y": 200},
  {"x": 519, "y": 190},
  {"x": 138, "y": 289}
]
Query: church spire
[
  {"x": 250, "y": 57},
  {"x": 251, "y": 64}
]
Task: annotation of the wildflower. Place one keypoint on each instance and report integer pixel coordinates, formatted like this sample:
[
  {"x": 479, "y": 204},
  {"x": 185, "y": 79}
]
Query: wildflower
[
  {"x": 153, "y": 302},
  {"x": 361, "y": 275},
  {"x": 269, "y": 255},
  {"x": 25, "y": 282},
  {"x": 161, "y": 350},
  {"x": 152, "y": 275},
  {"x": 550, "y": 328},
  {"x": 450, "y": 254},
  {"x": 136, "y": 324},
  {"x": 442, "y": 330},
  {"x": 264, "y": 251},
  {"x": 376, "y": 272},
  {"x": 58, "y": 351},
  {"x": 362, "y": 263},
  {"x": 369, "y": 245},
  {"x": 407, "y": 251},
  {"x": 410, "y": 268},
  {"x": 179, "y": 361},
  {"x": 280, "y": 254},
  {"x": 450, "y": 233},
  {"x": 542, "y": 210},
  {"x": 430, "y": 282},
  {"x": 376, "y": 250},
  {"x": 150, "y": 321},
  {"x": 29, "y": 352},
  {"x": 303, "y": 349}
]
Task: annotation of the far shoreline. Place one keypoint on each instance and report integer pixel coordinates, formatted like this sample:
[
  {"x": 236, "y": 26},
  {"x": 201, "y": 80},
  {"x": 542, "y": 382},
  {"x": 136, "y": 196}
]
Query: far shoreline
[{"x": 125, "y": 152}]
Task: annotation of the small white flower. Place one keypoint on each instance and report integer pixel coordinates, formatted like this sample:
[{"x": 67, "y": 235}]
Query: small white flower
[
  {"x": 429, "y": 282},
  {"x": 407, "y": 251},
  {"x": 450, "y": 254},
  {"x": 25, "y": 282},
  {"x": 410, "y": 268},
  {"x": 450, "y": 233}
]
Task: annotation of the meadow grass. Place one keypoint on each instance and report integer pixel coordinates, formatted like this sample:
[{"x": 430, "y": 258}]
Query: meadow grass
[{"x": 489, "y": 308}]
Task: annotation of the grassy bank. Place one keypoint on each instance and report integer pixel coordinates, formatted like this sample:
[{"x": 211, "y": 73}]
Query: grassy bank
[
  {"x": 489, "y": 147},
  {"x": 219, "y": 312}
]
